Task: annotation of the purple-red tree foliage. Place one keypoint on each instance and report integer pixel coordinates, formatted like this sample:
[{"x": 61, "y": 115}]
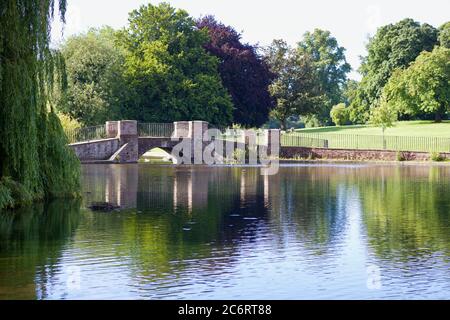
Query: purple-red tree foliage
[{"x": 244, "y": 73}]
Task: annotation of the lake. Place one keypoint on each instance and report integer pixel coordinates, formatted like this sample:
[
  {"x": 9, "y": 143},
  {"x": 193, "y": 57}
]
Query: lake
[{"x": 344, "y": 231}]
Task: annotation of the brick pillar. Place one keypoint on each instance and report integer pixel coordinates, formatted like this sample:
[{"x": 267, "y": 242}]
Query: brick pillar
[
  {"x": 197, "y": 131},
  {"x": 198, "y": 128},
  {"x": 189, "y": 129},
  {"x": 112, "y": 129},
  {"x": 182, "y": 129},
  {"x": 128, "y": 135},
  {"x": 273, "y": 141}
]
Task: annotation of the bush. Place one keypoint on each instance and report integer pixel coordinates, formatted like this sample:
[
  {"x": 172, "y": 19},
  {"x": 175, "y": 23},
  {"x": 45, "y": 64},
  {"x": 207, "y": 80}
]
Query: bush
[
  {"x": 400, "y": 156},
  {"x": 13, "y": 194},
  {"x": 436, "y": 156},
  {"x": 6, "y": 201},
  {"x": 68, "y": 123},
  {"x": 339, "y": 114},
  {"x": 312, "y": 122}
]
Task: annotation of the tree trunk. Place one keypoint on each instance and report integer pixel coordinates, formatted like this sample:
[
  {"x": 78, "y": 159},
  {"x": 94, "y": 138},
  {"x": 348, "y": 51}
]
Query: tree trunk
[
  {"x": 283, "y": 124},
  {"x": 438, "y": 117}
]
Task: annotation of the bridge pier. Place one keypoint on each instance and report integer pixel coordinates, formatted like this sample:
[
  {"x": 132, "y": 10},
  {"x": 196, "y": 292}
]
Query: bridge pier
[
  {"x": 126, "y": 131},
  {"x": 182, "y": 129},
  {"x": 273, "y": 141},
  {"x": 112, "y": 128}
]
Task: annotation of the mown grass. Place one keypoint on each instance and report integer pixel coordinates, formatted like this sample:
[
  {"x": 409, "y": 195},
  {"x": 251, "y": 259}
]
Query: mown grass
[
  {"x": 403, "y": 128},
  {"x": 425, "y": 136}
]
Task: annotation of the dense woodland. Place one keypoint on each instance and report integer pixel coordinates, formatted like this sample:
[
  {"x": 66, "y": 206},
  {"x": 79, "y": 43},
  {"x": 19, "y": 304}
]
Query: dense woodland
[{"x": 167, "y": 66}]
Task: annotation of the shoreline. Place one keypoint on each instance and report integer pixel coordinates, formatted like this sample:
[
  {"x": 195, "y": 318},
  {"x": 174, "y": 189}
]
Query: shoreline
[
  {"x": 344, "y": 161},
  {"x": 291, "y": 162}
]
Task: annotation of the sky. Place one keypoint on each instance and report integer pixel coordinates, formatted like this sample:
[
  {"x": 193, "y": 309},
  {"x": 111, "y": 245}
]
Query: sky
[{"x": 351, "y": 22}]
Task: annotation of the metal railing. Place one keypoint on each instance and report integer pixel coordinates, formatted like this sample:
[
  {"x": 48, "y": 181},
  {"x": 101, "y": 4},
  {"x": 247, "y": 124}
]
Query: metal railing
[
  {"x": 162, "y": 130},
  {"x": 294, "y": 140},
  {"x": 361, "y": 142},
  {"x": 86, "y": 134},
  {"x": 239, "y": 135}
]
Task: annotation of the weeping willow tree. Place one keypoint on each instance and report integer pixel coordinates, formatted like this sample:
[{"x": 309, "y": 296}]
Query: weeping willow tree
[{"x": 35, "y": 162}]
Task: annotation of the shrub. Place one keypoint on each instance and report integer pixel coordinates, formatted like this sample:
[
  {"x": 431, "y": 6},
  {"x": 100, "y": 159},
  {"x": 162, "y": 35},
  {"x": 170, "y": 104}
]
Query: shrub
[
  {"x": 6, "y": 201},
  {"x": 13, "y": 194},
  {"x": 68, "y": 123},
  {"x": 312, "y": 121},
  {"x": 339, "y": 114},
  {"x": 400, "y": 156},
  {"x": 436, "y": 156}
]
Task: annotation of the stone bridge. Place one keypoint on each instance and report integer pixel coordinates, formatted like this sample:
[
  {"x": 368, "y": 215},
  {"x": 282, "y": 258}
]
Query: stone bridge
[{"x": 126, "y": 141}]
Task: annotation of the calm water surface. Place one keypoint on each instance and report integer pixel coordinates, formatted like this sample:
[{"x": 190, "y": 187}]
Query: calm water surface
[{"x": 310, "y": 232}]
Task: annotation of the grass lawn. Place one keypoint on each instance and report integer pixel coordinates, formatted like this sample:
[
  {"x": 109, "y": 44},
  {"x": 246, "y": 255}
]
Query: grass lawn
[
  {"x": 156, "y": 155},
  {"x": 425, "y": 136},
  {"x": 405, "y": 128}
]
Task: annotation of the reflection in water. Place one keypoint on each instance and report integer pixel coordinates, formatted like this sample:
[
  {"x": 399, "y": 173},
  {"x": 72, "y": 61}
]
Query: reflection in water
[
  {"x": 227, "y": 232},
  {"x": 31, "y": 242}
]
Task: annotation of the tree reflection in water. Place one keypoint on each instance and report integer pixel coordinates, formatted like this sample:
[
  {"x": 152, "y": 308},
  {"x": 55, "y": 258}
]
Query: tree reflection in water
[
  {"x": 193, "y": 231},
  {"x": 31, "y": 243}
]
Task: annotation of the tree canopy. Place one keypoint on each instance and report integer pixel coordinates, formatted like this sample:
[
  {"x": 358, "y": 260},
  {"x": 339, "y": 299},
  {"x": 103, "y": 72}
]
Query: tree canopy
[
  {"x": 96, "y": 86},
  {"x": 166, "y": 66},
  {"x": 171, "y": 75},
  {"x": 243, "y": 72},
  {"x": 339, "y": 114},
  {"x": 382, "y": 115},
  {"x": 393, "y": 46},
  {"x": 444, "y": 35},
  {"x": 424, "y": 87},
  {"x": 297, "y": 87},
  {"x": 330, "y": 64},
  {"x": 35, "y": 162}
]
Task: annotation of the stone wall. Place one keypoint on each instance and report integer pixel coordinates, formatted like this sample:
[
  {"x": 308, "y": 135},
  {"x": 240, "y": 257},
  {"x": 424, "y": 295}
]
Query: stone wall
[
  {"x": 129, "y": 143},
  {"x": 350, "y": 154},
  {"x": 95, "y": 150},
  {"x": 112, "y": 129},
  {"x": 182, "y": 129}
]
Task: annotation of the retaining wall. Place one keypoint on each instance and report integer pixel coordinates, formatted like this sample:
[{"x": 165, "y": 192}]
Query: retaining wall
[
  {"x": 353, "y": 154},
  {"x": 95, "y": 150}
]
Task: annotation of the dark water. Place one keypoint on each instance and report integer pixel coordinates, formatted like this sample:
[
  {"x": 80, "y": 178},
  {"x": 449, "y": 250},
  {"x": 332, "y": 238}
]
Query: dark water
[{"x": 310, "y": 232}]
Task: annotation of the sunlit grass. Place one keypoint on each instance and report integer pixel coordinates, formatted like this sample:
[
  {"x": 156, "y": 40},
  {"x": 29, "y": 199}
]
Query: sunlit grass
[
  {"x": 156, "y": 156},
  {"x": 404, "y": 128}
]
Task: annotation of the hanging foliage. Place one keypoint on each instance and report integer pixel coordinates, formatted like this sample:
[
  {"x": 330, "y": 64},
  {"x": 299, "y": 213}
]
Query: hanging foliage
[{"x": 35, "y": 162}]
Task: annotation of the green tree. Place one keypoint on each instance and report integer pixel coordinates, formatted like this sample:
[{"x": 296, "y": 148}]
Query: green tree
[
  {"x": 444, "y": 35},
  {"x": 329, "y": 61},
  {"x": 383, "y": 115},
  {"x": 349, "y": 91},
  {"x": 424, "y": 87},
  {"x": 297, "y": 87},
  {"x": 339, "y": 114},
  {"x": 171, "y": 75},
  {"x": 96, "y": 87},
  {"x": 35, "y": 162},
  {"x": 243, "y": 72},
  {"x": 394, "y": 46},
  {"x": 352, "y": 98}
]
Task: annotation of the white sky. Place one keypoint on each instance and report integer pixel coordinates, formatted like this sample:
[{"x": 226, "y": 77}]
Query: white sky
[{"x": 261, "y": 21}]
